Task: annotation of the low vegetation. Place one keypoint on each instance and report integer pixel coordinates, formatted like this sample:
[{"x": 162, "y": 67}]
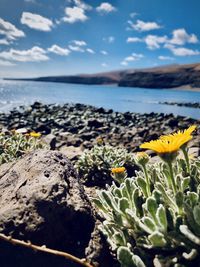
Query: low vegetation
[
  {"x": 94, "y": 166},
  {"x": 150, "y": 212},
  {"x": 13, "y": 145},
  {"x": 153, "y": 219}
]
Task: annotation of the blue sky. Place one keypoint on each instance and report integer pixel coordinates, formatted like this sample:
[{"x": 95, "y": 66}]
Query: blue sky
[{"x": 48, "y": 37}]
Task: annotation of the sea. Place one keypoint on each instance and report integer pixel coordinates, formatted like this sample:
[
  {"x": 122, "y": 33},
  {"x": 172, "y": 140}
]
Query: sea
[{"x": 16, "y": 93}]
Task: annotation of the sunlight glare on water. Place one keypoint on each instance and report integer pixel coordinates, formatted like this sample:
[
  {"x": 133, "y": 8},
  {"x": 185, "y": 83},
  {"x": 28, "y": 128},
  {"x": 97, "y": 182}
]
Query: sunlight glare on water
[{"x": 16, "y": 93}]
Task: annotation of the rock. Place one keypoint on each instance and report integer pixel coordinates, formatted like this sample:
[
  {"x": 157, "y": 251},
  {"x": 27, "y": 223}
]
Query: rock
[
  {"x": 152, "y": 136},
  {"x": 98, "y": 250},
  {"x": 87, "y": 136},
  {"x": 95, "y": 123},
  {"x": 21, "y": 130},
  {"x": 50, "y": 139},
  {"x": 173, "y": 122},
  {"x": 71, "y": 152},
  {"x": 41, "y": 200},
  {"x": 73, "y": 140},
  {"x": 43, "y": 128},
  {"x": 79, "y": 125}
]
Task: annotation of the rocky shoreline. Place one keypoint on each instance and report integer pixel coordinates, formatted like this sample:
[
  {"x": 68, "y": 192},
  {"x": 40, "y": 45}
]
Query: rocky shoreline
[
  {"x": 42, "y": 198},
  {"x": 75, "y": 127},
  {"x": 184, "y": 104}
]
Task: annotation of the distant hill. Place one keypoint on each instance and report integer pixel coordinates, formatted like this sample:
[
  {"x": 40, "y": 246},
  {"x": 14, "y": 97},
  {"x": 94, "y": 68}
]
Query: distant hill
[{"x": 159, "y": 77}]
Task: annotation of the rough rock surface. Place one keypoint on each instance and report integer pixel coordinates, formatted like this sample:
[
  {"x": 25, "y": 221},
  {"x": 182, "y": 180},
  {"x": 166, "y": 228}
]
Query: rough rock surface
[{"x": 41, "y": 200}]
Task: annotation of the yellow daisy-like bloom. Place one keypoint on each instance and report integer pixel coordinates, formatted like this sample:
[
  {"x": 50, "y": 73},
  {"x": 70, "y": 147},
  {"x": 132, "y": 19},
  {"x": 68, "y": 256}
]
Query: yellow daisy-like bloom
[
  {"x": 180, "y": 134},
  {"x": 34, "y": 134},
  {"x": 170, "y": 143},
  {"x": 162, "y": 146},
  {"x": 118, "y": 170}
]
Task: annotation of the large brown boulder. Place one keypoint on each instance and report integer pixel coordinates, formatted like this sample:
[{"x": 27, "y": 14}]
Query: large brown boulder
[{"x": 41, "y": 200}]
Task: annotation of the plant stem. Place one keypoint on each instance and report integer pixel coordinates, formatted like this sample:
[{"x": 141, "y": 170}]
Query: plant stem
[
  {"x": 185, "y": 153},
  {"x": 68, "y": 256},
  {"x": 147, "y": 180},
  {"x": 172, "y": 176}
]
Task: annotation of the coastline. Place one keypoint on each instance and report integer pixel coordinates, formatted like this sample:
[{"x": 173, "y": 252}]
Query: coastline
[
  {"x": 44, "y": 186},
  {"x": 68, "y": 129},
  {"x": 187, "y": 88},
  {"x": 179, "y": 88}
]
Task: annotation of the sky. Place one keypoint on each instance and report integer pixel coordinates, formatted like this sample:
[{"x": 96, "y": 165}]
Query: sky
[{"x": 63, "y": 37}]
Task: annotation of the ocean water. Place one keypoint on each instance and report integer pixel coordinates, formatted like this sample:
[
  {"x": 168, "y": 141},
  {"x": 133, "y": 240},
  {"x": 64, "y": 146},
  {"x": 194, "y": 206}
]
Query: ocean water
[{"x": 16, "y": 93}]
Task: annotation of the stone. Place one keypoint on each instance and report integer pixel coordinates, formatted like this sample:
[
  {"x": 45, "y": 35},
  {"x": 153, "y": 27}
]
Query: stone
[
  {"x": 42, "y": 128},
  {"x": 21, "y": 131},
  {"x": 71, "y": 152},
  {"x": 41, "y": 200},
  {"x": 50, "y": 139},
  {"x": 95, "y": 123},
  {"x": 98, "y": 250}
]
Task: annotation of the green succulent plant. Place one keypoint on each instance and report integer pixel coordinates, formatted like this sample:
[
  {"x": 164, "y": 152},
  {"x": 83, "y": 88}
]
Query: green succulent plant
[
  {"x": 14, "y": 145},
  {"x": 153, "y": 219},
  {"x": 95, "y": 165}
]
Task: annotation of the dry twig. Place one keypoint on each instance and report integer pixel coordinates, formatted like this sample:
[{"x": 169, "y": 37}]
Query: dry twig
[{"x": 43, "y": 248}]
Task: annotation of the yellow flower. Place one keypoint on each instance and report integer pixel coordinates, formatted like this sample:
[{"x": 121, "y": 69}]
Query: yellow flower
[
  {"x": 119, "y": 174},
  {"x": 118, "y": 170},
  {"x": 181, "y": 134},
  {"x": 163, "y": 146},
  {"x": 100, "y": 141},
  {"x": 170, "y": 143},
  {"x": 34, "y": 134}
]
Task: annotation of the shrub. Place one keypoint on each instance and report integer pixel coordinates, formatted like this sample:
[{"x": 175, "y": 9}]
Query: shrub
[
  {"x": 14, "y": 145},
  {"x": 95, "y": 165},
  {"x": 154, "y": 219}
]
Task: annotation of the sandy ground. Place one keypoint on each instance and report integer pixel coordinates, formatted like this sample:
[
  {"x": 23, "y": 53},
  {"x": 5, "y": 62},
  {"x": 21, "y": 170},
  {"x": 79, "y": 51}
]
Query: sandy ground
[{"x": 187, "y": 88}]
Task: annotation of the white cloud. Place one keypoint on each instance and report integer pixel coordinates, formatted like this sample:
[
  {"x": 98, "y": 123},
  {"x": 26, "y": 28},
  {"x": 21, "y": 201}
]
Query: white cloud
[
  {"x": 79, "y": 42},
  {"x": 165, "y": 58},
  {"x": 154, "y": 41},
  {"x": 130, "y": 58},
  {"x": 76, "y": 48},
  {"x": 91, "y": 51},
  {"x": 59, "y": 50},
  {"x": 133, "y": 14},
  {"x": 133, "y": 57},
  {"x": 103, "y": 52},
  {"x": 74, "y": 14},
  {"x": 142, "y": 26},
  {"x": 31, "y": 55},
  {"x": 133, "y": 40},
  {"x": 109, "y": 39},
  {"x": 180, "y": 37},
  {"x": 9, "y": 30},
  {"x": 36, "y": 22},
  {"x": 4, "y": 42},
  {"x": 6, "y": 63},
  {"x": 104, "y": 65},
  {"x": 124, "y": 63},
  {"x": 82, "y": 5},
  {"x": 105, "y": 8},
  {"x": 182, "y": 51}
]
